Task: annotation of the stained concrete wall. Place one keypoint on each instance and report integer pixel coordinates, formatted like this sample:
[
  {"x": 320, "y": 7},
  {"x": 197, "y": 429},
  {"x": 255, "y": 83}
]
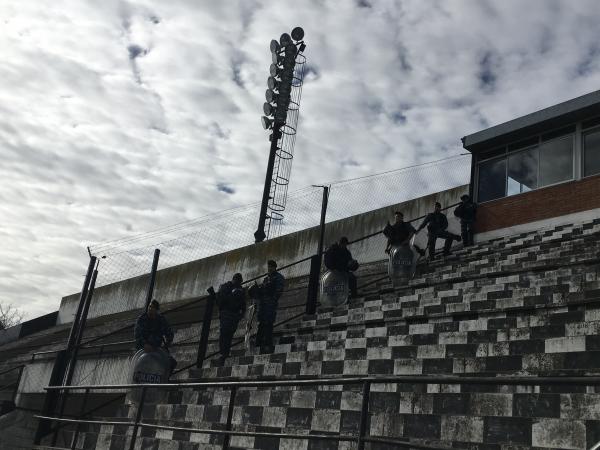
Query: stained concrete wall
[{"x": 192, "y": 279}]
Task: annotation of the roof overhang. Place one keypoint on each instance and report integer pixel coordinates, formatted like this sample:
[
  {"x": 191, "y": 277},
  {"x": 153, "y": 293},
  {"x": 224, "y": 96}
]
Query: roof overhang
[{"x": 552, "y": 117}]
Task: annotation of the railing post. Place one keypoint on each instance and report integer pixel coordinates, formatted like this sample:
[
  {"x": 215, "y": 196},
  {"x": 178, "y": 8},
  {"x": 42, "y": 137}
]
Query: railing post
[
  {"x": 313, "y": 284},
  {"x": 364, "y": 415},
  {"x": 206, "y": 321},
  {"x": 81, "y": 414},
  {"x": 16, "y": 391},
  {"x": 152, "y": 278},
  {"x": 138, "y": 416},
  {"x": 229, "y": 417}
]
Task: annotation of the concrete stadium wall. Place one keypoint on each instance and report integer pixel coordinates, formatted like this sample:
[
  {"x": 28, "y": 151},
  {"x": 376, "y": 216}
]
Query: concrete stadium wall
[{"x": 192, "y": 279}]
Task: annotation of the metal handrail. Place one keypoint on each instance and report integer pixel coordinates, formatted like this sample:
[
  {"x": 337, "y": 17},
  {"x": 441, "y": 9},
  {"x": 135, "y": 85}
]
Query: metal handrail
[
  {"x": 12, "y": 368},
  {"x": 361, "y": 438}
]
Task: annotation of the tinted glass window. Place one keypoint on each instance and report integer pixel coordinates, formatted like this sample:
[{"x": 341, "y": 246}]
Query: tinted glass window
[
  {"x": 591, "y": 153},
  {"x": 492, "y": 180},
  {"x": 522, "y": 171},
  {"x": 556, "y": 161}
]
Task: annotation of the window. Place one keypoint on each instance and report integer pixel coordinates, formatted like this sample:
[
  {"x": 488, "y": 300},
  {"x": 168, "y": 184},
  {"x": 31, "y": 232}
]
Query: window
[
  {"x": 492, "y": 177},
  {"x": 522, "y": 171},
  {"x": 591, "y": 153},
  {"x": 556, "y": 161}
]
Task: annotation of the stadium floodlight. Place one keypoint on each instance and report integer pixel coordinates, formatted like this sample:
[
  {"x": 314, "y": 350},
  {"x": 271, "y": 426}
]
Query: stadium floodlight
[
  {"x": 297, "y": 34},
  {"x": 268, "y": 109},
  {"x": 266, "y": 122},
  {"x": 274, "y": 46},
  {"x": 281, "y": 118},
  {"x": 270, "y": 96},
  {"x": 285, "y": 39}
]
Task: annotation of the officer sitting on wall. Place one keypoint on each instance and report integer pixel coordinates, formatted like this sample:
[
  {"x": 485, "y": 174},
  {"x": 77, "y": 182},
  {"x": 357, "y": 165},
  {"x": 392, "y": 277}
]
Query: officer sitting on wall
[
  {"x": 400, "y": 233},
  {"x": 231, "y": 300},
  {"x": 267, "y": 295},
  {"x": 466, "y": 212},
  {"x": 437, "y": 223},
  {"x": 338, "y": 257},
  {"x": 152, "y": 330}
]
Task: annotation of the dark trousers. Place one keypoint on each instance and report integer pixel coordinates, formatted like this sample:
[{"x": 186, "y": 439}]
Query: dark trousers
[
  {"x": 433, "y": 237},
  {"x": 228, "y": 325},
  {"x": 264, "y": 334},
  {"x": 466, "y": 231},
  {"x": 267, "y": 312},
  {"x": 352, "y": 284}
]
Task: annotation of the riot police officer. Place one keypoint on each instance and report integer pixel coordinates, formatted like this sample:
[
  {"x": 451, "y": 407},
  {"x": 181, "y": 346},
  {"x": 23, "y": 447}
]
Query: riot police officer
[
  {"x": 466, "y": 212},
  {"x": 437, "y": 224},
  {"x": 338, "y": 257},
  {"x": 269, "y": 293},
  {"x": 231, "y": 299}
]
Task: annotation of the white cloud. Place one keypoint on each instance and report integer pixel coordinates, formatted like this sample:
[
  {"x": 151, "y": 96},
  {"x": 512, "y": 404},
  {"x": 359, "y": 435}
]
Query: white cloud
[{"x": 120, "y": 117}]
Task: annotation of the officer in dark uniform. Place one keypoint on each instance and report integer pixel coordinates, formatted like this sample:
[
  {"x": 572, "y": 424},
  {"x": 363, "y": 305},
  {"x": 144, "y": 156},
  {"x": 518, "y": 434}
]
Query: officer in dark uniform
[
  {"x": 400, "y": 233},
  {"x": 466, "y": 212},
  {"x": 268, "y": 297},
  {"x": 152, "y": 331},
  {"x": 338, "y": 257},
  {"x": 436, "y": 224},
  {"x": 231, "y": 300}
]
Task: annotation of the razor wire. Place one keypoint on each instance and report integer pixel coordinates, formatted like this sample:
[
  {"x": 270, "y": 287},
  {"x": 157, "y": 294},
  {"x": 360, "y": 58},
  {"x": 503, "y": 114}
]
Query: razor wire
[{"x": 131, "y": 257}]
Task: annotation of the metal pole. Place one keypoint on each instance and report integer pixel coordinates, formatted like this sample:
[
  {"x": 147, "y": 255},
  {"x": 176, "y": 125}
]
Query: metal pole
[
  {"x": 82, "y": 322},
  {"x": 364, "y": 415},
  {"x": 259, "y": 234},
  {"x": 152, "y": 278},
  {"x": 81, "y": 414},
  {"x": 82, "y": 297},
  {"x": 56, "y": 378},
  {"x": 138, "y": 416},
  {"x": 315, "y": 261},
  {"x": 206, "y": 321},
  {"x": 322, "y": 222},
  {"x": 229, "y": 418}
]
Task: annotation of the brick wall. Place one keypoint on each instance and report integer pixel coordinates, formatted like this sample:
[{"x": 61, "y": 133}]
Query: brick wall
[{"x": 545, "y": 203}]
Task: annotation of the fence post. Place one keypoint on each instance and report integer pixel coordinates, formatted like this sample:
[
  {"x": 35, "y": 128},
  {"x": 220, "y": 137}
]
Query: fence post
[
  {"x": 313, "y": 284},
  {"x": 152, "y": 278},
  {"x": 138, "y": 416},
  {"x": 315, "y": 261},
  {"x": 229, "y": 417},
  {"x": 364, "y": 415},
  {"x": 206, "y": 321}
]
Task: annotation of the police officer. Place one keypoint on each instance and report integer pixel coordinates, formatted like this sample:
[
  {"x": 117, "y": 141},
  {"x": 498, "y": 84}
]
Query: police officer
[
  {"x": 231, "y": 299},
  {"x": 152, "y": 330},
  {"x": 269, "y": 292},
  {"x": 436, "y": 224},
  {"x": 466, "y": 212},
  {"x": 338, "y": 257}
]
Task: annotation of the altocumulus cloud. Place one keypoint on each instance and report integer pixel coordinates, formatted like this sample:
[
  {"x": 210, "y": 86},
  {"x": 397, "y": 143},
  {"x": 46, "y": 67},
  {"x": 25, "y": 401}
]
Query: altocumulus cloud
[{"x": 118, "y": 117}]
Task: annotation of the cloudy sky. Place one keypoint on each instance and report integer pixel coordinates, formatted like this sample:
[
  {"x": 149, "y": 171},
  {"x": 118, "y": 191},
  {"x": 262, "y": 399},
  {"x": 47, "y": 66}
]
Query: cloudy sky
[{"x": 119, "y": 117}]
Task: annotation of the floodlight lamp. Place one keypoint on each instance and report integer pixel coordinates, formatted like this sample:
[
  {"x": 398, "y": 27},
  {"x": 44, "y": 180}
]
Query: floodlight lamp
[
  {"x": 271, "y": 83},
  {"x": 266, "y": 122},
  {"x": 273, "y": 69},
  {"x": 297, "y": 34},
  {"x": 285, "y": 39},
  {"x": 270, "y": 96},
  {"x": 276, "y": 58},
  {"x": 274, "y": 46},
  {"x": 268, "y": 109}
]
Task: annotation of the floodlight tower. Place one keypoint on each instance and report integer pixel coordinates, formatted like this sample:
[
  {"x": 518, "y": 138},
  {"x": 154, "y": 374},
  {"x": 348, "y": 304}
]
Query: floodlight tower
[{"x": 281, "y": 117}]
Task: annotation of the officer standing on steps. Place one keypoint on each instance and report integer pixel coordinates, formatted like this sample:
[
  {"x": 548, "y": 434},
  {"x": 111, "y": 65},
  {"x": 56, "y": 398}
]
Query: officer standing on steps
[
  {"x": 466, "y": 212},
  {"x": 231, "y": 300},
  {"x": 152, "y": 330},
  {"x": 437, "y": 223},
  {"x": 269, "y": 293},
  {"x": 400, "y": 233},
  {"x": 338, "y": 257}
]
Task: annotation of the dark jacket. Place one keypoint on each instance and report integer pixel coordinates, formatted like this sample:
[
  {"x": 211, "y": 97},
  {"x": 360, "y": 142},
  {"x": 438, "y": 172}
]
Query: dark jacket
[
  {"x": 231, "y": 300},
  {"x": 435, "y": 222},
  {"x": 152, "y": 331},
  {"x": 398, "y": 232},
  {"x": 337, "y": 258},
  {"x": 272, "y": 286},
  {"x": 466, "y": 211}
]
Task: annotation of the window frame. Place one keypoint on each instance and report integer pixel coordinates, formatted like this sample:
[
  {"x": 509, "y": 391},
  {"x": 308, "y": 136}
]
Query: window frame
[
  {"x": 584, "y": 132},
  {"x": 576, "y": 151}
]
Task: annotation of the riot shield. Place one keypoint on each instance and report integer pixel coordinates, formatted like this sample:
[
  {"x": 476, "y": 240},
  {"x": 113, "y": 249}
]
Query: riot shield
[
  {"x": 401, "y": 264},
  {"x": 334, "y": 288},
  {"x": 150, "y": 367}
]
